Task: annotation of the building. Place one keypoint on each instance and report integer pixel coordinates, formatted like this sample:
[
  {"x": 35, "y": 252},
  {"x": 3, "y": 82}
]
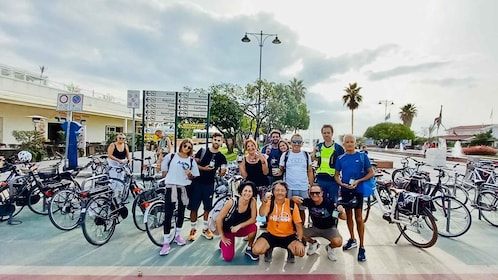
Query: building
[{"x": 465, "y": 133}]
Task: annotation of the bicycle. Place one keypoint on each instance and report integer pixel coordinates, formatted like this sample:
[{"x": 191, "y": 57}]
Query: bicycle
[
  {"x": 415, "y": 223},
  {"x": 383, "y": 188},
  {"x": 399, "y": 175}
]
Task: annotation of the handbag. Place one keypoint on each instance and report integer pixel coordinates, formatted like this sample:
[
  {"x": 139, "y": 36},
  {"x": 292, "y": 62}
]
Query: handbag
[{"x": 366, "y": 187}]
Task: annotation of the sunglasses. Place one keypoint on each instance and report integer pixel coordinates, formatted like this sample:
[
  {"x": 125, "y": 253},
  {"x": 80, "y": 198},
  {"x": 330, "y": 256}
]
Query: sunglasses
[
  {"x": 297, "y": 142},
  {"x": 187, "y": 147},
  {"x": 315, "y": 193},
  {"x": 121, "y": 138}
]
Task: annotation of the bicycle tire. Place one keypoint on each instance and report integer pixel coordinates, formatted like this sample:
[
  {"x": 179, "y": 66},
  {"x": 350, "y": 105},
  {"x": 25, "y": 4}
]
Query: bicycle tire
[
  {"x": 487, "y": 202},
  {"x": 367, "y": 205},
  {"x": 38, "y": 202},
  {"x": 138, "y": 212},
  {"x": 65, "y": 210},
  {"x": 452, "y": 217},
  {"x": 97, "y": 223},
  {"x": 397, "y": 176},
  {"x": 154, "y": 223},
  {"x": 415, "y": 229},
  {"x": 457, "y": 192}
]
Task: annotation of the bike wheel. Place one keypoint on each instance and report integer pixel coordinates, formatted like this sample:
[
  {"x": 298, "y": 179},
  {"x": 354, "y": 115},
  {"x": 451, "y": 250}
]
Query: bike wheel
[
  {"x": 154, "y": 223},
  {"x": 65, "y": 210},
  {"x": 38, "y": 202},
  {"x": 452, "y": 216},
  {"x": 367, "y": 204},
  {"x": 488, "y": 206},
  {"x": 138, "y": 210},
  {"x": 397, "y": 176},
  {"x": 415, "y": 228},
  {"x": 98, "y": 225}
]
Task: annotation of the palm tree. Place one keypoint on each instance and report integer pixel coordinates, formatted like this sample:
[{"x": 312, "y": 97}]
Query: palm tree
[
  {"x": 352, "y": 99},
  {"x": 297, "y": 89},
  {"x": 407, "y": 113}
]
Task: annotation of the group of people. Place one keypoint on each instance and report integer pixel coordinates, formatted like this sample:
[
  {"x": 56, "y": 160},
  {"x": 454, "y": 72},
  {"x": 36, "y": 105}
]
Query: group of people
[{"x": 282, "y": 177}]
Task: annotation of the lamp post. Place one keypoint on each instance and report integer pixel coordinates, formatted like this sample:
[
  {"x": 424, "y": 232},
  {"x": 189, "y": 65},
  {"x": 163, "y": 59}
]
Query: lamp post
[
  {"x": 261, "y": 38},
  {"x": 386, "y": 102}
]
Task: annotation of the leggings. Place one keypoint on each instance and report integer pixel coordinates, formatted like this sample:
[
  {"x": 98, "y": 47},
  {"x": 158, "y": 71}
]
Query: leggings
[{"x": 169, "y": 208}]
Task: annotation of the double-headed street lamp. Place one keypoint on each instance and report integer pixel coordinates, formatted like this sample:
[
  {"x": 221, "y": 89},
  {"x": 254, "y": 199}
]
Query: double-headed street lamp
[
  {"x": 386, "y": 102},
  {"x": 261, "y": 37}
]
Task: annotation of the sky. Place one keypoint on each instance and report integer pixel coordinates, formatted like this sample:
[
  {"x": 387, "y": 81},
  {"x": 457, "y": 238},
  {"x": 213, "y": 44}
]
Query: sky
[{"x": 427, "y": 53}]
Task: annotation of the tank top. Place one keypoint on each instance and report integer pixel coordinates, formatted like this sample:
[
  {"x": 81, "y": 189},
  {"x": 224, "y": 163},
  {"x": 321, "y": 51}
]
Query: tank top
[
  {"x": 237, "y": 218},
  {"x": 255, "y": 173},
  {"x": 118, "y": 154}
]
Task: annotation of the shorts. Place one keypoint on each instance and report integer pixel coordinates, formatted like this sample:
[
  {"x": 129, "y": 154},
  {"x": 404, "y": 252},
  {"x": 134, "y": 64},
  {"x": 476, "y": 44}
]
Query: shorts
[
  {"x": 303, "y": 194},
  {"x": 347, "y": 195},
  {"x": 199, "y": 192},
  {"x": 277, "y": 241},
  {"x": 327, "y": 233}
]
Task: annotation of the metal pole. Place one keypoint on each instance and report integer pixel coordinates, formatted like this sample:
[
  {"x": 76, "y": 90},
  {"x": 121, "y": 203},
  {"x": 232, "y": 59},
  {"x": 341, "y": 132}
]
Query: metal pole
[
  {"x": 258, "y": 108},
  {"x": 68, "y": 130},
  {"x": 133, "y": 138}
]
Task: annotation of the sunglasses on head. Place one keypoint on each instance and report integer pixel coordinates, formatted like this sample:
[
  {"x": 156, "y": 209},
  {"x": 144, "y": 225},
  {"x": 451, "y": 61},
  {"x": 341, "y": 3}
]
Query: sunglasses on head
[
  {"x": 297, "y": 141},
  {"x": 315, "y": 193},
  {"x": 187, "y": 146}
]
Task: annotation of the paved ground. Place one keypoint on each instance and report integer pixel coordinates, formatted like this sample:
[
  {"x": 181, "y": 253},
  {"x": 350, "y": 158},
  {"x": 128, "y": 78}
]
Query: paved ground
[{"x": 35, "y": 249}]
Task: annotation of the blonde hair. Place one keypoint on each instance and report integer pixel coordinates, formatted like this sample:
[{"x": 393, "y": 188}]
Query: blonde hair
[
  {"x": 187, "y": 141},
  {"x": 250, "y": 141}
]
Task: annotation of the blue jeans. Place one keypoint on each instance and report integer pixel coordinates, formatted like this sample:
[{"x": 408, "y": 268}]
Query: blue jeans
[{"x": 329, "y": 186}]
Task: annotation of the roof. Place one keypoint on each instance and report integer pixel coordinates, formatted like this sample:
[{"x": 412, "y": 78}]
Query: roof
[{"x": 479, "y": 126}]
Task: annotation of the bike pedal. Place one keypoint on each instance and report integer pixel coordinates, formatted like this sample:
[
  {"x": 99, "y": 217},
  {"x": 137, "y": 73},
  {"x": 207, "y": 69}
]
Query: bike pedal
[{"x": 387, "y": 217}]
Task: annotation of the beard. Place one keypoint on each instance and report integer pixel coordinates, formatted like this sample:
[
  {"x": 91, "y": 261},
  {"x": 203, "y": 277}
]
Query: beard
[
  {"x": 216, "y": 145},
  {"x": 275, "y": 141}
]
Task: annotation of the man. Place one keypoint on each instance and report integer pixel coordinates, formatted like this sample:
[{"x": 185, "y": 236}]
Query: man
[
  {"x": 202, "y": 188},
  {"x": 285, "y": 227},
  {"x": 273, "y": 155},
  {"x": 164, "y": 146},
  {"x": 326, "y": 153},
  {"x": 298, "y": 172},
  {"x": 324, "y": 214},
  {"x": 349, "y": 175}
]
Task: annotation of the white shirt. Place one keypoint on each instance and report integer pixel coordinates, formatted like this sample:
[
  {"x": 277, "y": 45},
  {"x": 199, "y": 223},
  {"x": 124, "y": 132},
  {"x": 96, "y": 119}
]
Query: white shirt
[
  {"x": 176, "y": 171},
  {"x": 296, "y": 170}
]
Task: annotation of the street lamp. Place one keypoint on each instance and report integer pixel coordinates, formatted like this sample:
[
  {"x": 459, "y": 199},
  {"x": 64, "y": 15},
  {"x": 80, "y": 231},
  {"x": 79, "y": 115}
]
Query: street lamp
[
  {"x": 261, "y": 37},
  {"x": 386, "y": 102}
]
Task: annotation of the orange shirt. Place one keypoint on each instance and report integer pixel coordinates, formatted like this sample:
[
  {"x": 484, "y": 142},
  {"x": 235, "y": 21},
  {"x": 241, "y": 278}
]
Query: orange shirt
[{"x": 280, "y": 221}]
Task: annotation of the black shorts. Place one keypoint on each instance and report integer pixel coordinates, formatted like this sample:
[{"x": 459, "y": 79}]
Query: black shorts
[
  {"x": 348, "y": 195},
  {"x": 277, "y": 241}
]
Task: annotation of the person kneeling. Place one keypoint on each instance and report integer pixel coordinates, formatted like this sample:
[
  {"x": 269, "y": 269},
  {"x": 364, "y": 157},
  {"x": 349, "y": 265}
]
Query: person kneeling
[
  {"x": 323, "y": 214},
  {"x": 242, "y": 222},
  {"x": 285, "y": 227}
]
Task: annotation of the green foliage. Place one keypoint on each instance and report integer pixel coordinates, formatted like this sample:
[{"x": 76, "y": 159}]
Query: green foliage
[
  {"x": 485, "y": 139},
  {"x": 352, "y": 100},
  {"x": 389, "y": 133},
  {"x": 32, "y": 141},
  {"x": 407, "y": 113}
]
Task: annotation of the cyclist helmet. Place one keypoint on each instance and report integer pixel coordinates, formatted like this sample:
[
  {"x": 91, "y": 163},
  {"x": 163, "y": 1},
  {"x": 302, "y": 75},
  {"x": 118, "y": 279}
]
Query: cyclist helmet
[{"x": 24, "y": 156}]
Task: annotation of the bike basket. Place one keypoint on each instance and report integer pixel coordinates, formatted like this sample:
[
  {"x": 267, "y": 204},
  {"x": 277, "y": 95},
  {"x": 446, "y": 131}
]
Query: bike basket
[{"x": 411, "y": 203}]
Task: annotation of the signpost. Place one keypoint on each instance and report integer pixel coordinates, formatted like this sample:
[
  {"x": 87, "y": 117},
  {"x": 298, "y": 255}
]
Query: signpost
[
  {"x": 69, "y": 102},
  {"x": 133, "y": 101}
]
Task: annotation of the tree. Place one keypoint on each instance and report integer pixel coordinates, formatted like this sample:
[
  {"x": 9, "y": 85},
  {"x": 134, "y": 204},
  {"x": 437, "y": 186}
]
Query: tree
[
  {"x": 407, "y": 113},
  {"x": 297, "y": 89},
  {"x": 389, "y": 133},
  {"x": 352, "y": 99},
  {"x": 483, "y": 139}
]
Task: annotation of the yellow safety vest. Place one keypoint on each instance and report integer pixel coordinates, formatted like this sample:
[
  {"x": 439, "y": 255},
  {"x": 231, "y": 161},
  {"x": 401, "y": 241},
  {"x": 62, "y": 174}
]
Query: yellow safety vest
[{"x": 327, "y": 157}]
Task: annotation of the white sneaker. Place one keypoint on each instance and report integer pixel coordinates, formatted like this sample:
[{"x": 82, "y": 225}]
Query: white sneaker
[
  {"x": 312, "y": 248},
  {"x": 331, "y": 252}
]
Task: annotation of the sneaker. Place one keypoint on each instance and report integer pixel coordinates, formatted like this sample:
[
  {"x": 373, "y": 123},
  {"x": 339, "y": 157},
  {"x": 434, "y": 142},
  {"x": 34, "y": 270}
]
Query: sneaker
[
  {"x": 251, "y": 255},
  {"x": 191, "y": 236},
  {"x": 268, "y": 255},
  {"x": 331, "y": 253},
  {"x": 350, "y": 245},
  {"x": 290, "y": 257},
  {"x": 179, "y": 240},
  {"x": 207, "y": 233},
  {"x": 164, "y": 250},
  {"x": 312, "y": 248},
  {"x": 361, "y": 255}
]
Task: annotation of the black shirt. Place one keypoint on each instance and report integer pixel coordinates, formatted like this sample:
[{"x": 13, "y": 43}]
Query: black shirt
[
  {"x": 321, "y": 215},
  {"x": 207, "y": 177}
]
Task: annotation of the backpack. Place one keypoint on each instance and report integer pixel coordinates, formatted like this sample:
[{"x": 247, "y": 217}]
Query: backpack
[
  {"x": 173, "y": 155},
  {"x": 215, "y": 211}
]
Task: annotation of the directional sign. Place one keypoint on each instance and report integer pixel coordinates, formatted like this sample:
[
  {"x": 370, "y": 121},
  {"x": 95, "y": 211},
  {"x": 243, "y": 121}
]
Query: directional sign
[
  {"x": 191, "y": 114},
  {"x": 193, "y": 95},
  {"x": 193, "y": 125},
  {"x": 184, "y": 107},
  {"x": 186, "y": 101}
]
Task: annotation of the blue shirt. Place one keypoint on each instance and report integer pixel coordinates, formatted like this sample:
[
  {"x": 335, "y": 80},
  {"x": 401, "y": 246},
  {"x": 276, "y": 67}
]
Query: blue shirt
[{"x": 350, "y": 166}]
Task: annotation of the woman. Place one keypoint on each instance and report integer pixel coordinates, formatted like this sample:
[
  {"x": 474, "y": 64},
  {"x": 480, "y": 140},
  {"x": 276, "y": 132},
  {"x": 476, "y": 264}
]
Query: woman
[
  {"x": 118, "y": 155},
  {"x": 283, "y": 147},
  {"x": 254, "y": 167},
  {"x": 348, "y": 174},
  {"x": 241, "y": 223},
  {"x": 178, "y": 170}
]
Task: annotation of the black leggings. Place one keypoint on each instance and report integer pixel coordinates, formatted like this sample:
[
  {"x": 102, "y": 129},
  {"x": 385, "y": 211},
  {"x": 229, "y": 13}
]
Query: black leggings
[{"x": 169, "y": 208}]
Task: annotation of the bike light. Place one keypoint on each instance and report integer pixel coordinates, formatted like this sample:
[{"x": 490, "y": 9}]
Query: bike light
[
  {"x": 145, "y": 205},
  {"x": 84, "y": 194},
  {"x": 49, "y": 193},
  {"x": 3, "y": 184},
  {"x": 136, "y": 190}
]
